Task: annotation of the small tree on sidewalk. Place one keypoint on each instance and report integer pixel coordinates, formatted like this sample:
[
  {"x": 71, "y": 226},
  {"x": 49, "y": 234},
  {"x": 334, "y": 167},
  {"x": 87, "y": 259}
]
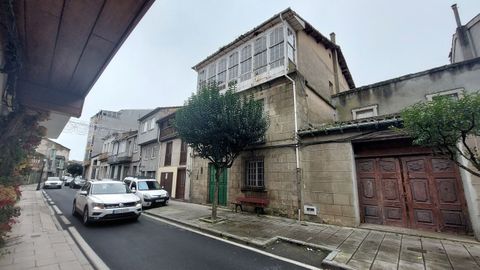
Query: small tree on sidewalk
[
  {"x": 219, "y": 126},
  {"x": 445, "y": 125}
]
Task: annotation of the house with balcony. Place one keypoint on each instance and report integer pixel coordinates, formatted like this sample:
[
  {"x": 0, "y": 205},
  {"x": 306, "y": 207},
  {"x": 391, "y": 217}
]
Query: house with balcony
[
  {"x": 103, "y": 124},
  {"x": 51, "y": 157},
  {"x": 173, "y": 160},
  {"x": 120, "y": 156},
  {"x": 148, "y": 140},
  {"x": 294, "y": 70}
]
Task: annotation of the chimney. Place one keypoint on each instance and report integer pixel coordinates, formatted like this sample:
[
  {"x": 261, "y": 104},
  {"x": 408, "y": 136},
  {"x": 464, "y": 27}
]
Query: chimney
[
  {"x": 457, "y": 17},
  {"x": 332, "y": 37},
  {"x": 335, "y": 64}
]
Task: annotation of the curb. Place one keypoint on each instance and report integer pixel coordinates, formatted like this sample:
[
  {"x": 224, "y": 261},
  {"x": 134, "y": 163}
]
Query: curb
[
  {"x": 328, "y": 261},
  {"x": 88, "y": 252}
]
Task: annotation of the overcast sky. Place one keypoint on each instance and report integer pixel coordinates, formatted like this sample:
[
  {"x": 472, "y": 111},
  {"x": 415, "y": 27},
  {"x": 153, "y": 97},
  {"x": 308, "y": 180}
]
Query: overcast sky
[{"x": 380, "y": 40}]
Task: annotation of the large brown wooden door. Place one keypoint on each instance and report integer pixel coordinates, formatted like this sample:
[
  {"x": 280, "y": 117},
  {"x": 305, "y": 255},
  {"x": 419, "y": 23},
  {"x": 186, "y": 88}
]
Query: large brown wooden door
[
  {"x": 421, "y": 192},
  {"x": 434, "y": 194},
  {"x": 180, "y": 190},
  {"x": 166, "y": 179},
  {"x": 381, "y": 191}
]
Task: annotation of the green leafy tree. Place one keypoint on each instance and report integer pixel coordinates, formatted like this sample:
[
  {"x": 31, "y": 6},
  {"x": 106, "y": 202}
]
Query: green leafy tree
[
  {"x": 446, "y": 124},
  {"x": 75, "y": 169},
  {"x": 219, "y": 126}
]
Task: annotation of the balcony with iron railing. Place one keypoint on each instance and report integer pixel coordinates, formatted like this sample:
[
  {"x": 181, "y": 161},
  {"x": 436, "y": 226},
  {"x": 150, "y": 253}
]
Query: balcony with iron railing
[
  {"x": 124, "y": 157},
  {"x": 167, "y": 133}
]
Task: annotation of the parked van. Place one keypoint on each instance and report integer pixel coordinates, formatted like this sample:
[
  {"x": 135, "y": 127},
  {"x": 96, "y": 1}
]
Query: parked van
[{"x": 148, "y": 190}]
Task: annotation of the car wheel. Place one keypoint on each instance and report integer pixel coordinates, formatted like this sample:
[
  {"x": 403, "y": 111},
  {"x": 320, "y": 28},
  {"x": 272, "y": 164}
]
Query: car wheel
[
  {"x": 74, "y": 210},
  {"x": 85, "y": 218}
]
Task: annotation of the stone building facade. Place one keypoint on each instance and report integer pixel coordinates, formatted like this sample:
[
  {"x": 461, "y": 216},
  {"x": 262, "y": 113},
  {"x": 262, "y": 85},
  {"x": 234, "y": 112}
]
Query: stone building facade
[{"x": 294, "y": 70}]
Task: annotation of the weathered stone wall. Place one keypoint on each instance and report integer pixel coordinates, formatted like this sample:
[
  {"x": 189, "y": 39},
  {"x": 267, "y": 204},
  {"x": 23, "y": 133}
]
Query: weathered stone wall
[
  {"x": 329, "y": 183},
  {"x": 393, "y": 95},
  {"x": 279, "y": 161},
  {"x": 316, "y": 64}
]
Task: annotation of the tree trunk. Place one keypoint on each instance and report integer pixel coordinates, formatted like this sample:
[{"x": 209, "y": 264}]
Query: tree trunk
[{"x": 218, "y": 173}]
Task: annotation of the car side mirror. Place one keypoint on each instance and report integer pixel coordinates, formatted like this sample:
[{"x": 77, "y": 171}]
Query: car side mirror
[
  {"x": 83, "y": 192},
  {"x": 163, "y": 187},
  {"x": 134, "y": 189}
]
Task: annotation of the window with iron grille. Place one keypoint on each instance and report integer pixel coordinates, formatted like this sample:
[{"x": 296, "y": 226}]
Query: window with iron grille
[
  {"x": 254, "y": 171},
  {"x": 260, "y": 55},
  {"x": 202, "y": 78}
]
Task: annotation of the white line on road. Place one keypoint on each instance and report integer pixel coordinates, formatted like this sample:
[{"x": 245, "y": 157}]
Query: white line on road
[
  {"x": 58, "y": 211},
  {"x": 89, "y": 252},
  {"x": 307, "y": 266},
  {"x": 65, "y": 220}
]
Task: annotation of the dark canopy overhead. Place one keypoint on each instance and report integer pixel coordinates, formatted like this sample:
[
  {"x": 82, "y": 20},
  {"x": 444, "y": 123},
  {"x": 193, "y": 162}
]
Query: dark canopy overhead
[{"x": 66, "y": 45}]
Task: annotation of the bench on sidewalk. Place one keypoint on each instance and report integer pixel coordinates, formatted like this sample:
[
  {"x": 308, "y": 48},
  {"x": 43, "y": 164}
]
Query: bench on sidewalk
[{"x": 257, "y": 199}]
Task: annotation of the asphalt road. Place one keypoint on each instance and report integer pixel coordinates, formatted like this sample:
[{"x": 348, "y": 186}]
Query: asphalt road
[{"x": 151, "y": 244}]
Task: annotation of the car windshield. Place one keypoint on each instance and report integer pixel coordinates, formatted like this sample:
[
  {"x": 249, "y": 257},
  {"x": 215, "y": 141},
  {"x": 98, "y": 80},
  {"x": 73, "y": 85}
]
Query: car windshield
[
  {"x": 110, "y": 188},
  {"x": 53, "y": 179},
  {"x": 148, "y": 185}
]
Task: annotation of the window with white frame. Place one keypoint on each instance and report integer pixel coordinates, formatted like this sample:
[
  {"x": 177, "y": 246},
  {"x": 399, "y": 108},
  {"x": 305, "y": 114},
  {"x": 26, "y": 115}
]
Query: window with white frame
[
  {"x": 154, "y": 151},
  {"x": 365, "y": 112},
  {"x": 152, "y": 123},
  {"x": 246, "y": 63},
  {"x": 276, "y": 47},
  {"x": 232, "y": 68},
  {"x": 254, "y": 171},
  {"x": 222, "y": 73},
  {"x": 145, "y": 127},
  {"x": 290, "y": 45},
  {"x": 260, "y": 55},
  {"x": 453, "y": 94},
  {"x": 202, "y": 78},
  {"x": 211, "y": 73}
]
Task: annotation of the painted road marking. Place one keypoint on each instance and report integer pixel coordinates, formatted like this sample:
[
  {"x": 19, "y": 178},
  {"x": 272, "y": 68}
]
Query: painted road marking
[{"x": 307, "y": 266}]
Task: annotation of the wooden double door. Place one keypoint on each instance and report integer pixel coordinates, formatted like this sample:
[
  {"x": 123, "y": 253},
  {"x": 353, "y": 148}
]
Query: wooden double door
[{"x": 419, "y": 192}]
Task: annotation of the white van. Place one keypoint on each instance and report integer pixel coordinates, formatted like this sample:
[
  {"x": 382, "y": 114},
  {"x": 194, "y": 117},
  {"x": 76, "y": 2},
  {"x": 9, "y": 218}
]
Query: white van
[{"x": 148, "y": 190}]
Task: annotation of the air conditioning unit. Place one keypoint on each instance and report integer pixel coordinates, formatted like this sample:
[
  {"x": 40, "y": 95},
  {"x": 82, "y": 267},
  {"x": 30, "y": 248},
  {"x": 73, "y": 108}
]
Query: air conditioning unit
[{"x": 310, "y": 210}]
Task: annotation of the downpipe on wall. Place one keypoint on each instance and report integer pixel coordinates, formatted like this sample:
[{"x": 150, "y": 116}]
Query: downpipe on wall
[{"x": 296, "y": 141}]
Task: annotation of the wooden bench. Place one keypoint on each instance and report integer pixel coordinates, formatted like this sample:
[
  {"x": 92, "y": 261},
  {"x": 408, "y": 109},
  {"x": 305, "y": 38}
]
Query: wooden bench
[{"x": 258, "y": 199}]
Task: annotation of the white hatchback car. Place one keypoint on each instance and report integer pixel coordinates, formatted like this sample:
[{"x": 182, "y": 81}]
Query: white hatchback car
[
  {"x": 148, "y": 190},
  {"x": 53, "y": 182},
  {"x": 106, "y": 200}
]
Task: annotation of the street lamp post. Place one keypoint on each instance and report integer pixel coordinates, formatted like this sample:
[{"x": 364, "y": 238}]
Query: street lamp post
[{"x": 41, "y": 174}]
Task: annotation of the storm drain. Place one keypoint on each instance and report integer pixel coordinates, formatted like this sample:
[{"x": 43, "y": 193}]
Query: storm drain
[{"x": 298, "y": 252}]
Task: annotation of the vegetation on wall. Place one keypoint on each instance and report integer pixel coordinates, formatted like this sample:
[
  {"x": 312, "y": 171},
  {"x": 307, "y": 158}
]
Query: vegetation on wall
[
  {"x": 446, "y": 125},
  {"x": 219, "y": 126},
  {"x": 19, "y": 136}
]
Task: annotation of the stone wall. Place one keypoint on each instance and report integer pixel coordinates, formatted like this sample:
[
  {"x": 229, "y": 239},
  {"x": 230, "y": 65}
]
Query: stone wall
[{"x": 328, "y": 183}]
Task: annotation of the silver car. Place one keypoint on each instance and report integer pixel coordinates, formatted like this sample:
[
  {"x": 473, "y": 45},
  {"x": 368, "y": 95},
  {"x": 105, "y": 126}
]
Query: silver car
[
  {"x": 53, "y": 182},
  {"x": 106, "y": 200}
]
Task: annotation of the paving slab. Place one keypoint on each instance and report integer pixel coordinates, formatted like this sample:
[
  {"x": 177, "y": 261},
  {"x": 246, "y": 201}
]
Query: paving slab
[
  {"x": 36, "y": 241},
  {"x": 355, "y": 248}
]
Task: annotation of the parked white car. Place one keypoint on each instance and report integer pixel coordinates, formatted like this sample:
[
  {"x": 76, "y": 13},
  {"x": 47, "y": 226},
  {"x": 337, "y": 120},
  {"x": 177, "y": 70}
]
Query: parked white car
[
  {"x": 106, "y": 200},
  {"x": 148, "y": 190},
  {"x": 53, "y": 182}
]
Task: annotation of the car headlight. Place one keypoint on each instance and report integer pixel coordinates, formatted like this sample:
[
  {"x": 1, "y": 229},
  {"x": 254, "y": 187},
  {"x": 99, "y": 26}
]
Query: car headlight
[
  {"x": 146, "y": 196},
  {"x": 167, "y": 195},
  {"x": 98, "y": 206},
  {"x": 138, "y": 204}
]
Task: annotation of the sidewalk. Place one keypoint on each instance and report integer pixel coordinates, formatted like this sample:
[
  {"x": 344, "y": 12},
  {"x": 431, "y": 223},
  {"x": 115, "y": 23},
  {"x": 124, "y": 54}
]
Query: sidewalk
[
  {"x": 352, "y": 248},
  {"x": 37, "y": 241}
]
